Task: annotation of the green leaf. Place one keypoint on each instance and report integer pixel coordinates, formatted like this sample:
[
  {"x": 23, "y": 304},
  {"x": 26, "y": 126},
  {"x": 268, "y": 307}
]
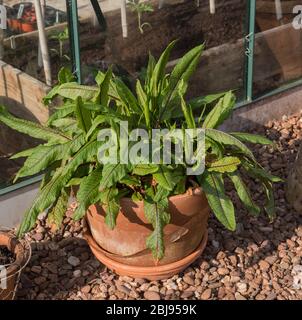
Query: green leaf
[
  {"x": 181, "y": 72},
  {"x": 214, "y": 147},
  {"x": 50, "y": 192},
  {"x": 259, "y": 173},
  {"x": 57, "y": 213},
  {"x": 93, "y": 106},
  {"x": 145, "y": 169},
  {"x": 142, "y": 99},
  {"x": 86, "y": 153},
  {"x": 88, "y": 193},
  {"x": 107, "y": 117},
  {"x": 270, "y": 203},
  {"x": 266, "y": 179},
  {"x": 252, "y": 138},
  {"x": 50, "y": 95},
  {"x": 41, "y": 158},
  {"x": 74, "y": 182},
  {"x": 244, "y": 194},
  {"x": 226, "y": 139},
  {"x": 165, "y": 178},
  {"x": 62, "y": 112},
  {"x": 104, "y": 87},
  {"x": 130, "y": 181},
  {"x": 100, "y": 78},
  {"x": 159, "y": 70},
  {"x": 222, "y": 206},
  {"x": 180, "y": 187},
  {"x": 226, "y": 164},
  {"x": 199, "y": 102},
  {"x": 65, "y": 75},
  {"x": 126, "y": 97},
  {"x": 76, "y": 144},
  {"x": 64, "y": 124},
  {"x": 156, "y": 213},
  {"x": 83, "y": 115},
  {"x": 112, "y": 174},
  {"x": 220, "y": 112},
  {"x": 150, "y": 70},
  {"x": 110, "y": 203},
  {"x": 23, "y": 154},
  {"x": 136, "y": 196},
  {"x": 46, "y": 197},
  {"x": 32, "y": 129},
  {"x": 73, "y": 90},
  {"x": 187, "y": 112}
]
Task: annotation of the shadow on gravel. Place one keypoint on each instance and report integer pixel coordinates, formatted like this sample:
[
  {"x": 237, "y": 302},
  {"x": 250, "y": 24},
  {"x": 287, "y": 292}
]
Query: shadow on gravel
[{"x": 256, "y": 238}]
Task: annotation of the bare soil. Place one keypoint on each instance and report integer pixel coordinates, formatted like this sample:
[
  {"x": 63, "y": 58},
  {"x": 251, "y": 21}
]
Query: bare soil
[{"x": 190, "y": 24}]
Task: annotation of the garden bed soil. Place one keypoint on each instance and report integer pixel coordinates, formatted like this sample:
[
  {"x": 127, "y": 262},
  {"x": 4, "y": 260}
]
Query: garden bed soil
[
  {"x": 260, "y": 261},
  {"x": 185, "y": 21}
]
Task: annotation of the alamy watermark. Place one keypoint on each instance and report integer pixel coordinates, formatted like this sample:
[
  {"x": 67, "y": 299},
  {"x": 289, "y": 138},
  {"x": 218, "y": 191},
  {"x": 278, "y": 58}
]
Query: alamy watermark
[
  {"x": 3, "y": 278},
  {"x": 297, "y": 277},
  {"x": 297, "y": 22},
  {"x": 3, "y": 17},
  {"x": 160, "y": 146}
]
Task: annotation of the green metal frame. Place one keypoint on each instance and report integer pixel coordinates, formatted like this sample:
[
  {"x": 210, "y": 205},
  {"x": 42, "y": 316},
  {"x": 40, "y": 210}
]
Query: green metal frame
[
  {"x": 74, "y": 37},
  {"x": 20, "y": 185},
  {"x": 249, "y": 50}
]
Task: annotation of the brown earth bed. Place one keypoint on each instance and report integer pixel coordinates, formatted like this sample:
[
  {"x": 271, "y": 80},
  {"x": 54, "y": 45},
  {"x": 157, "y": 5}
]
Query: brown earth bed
[{"x": 190, "y": 24}]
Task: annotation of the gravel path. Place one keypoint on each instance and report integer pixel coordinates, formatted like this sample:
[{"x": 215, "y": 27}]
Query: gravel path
[{"x": 259, "y": 261}]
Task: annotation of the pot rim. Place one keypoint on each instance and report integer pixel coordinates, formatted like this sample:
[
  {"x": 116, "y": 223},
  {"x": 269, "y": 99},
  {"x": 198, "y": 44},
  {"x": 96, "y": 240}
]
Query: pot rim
[
  {"x": 147, "y": 271},
  {"x": 189, "y": 193},
  {"x": 22, "y": 251}
]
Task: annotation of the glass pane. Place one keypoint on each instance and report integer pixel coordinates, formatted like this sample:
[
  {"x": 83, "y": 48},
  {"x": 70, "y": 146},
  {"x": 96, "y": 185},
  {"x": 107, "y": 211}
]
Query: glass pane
[
  {"x": 93, "y": 41},
  {"x": 222, "y": 66},
  {"x": 131, "y": 36},
  {"x": 21, "y": 43},
  {"x": 22, "y": 77},
  {"x": 278, "y": 45}
]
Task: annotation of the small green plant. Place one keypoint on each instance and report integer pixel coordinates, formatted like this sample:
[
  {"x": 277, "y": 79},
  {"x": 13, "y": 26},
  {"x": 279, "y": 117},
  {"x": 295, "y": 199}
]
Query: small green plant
[
  {"x": 61, "y": 37},
  {"x": 69, "y": 154},
  {"x": 140, "y": 8}
]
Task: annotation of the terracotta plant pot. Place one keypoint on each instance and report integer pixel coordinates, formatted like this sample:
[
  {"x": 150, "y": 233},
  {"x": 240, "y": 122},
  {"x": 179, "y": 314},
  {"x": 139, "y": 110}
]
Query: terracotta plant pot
[
  {"x": 28, "y": 27},
  {"x": 21, "y": 27},
  {"x": 14, "y": 24},
  {"x": 9, "y": 279},
  {"x": 124, "y": 248}
]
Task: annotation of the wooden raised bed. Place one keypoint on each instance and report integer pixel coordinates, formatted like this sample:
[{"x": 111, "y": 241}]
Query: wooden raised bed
[
  {"x": 269, "y": 6},
  {"x": 277, "y": 55}
]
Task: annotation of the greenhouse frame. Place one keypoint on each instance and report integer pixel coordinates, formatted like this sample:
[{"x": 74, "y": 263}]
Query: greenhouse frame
[{"x": 150, "y": 150}]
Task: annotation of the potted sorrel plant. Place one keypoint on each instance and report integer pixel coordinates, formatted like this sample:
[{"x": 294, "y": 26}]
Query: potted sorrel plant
[{"x": 145, "y": 218}]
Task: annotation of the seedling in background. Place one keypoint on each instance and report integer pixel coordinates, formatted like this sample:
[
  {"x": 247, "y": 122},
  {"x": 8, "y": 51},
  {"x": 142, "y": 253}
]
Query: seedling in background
[
  {"x": 140, "y": 8},
  {"x": 61, "y": 37}
]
